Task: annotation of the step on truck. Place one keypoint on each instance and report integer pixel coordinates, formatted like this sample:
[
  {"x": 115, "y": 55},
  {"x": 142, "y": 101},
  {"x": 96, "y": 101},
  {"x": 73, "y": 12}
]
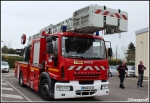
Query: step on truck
[{"x": 70, "y": 59}]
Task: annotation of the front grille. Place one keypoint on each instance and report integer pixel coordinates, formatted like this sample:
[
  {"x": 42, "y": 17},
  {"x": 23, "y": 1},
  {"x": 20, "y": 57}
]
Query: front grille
[
  {"x": 86, "y": 82},
  {"x": 85, "y": 92},
  {"x": 5, "y": 68},
  {"x": 85, "y": 76}
]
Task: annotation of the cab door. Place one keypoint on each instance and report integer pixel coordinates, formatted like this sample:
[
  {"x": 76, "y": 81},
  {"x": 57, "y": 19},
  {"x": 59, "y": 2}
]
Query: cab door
[{"x": 52, "y": 59}]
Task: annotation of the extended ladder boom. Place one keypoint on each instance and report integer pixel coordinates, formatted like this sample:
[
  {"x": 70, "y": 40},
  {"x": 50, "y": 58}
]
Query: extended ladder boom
[
  {"x": 57, "y": 27},
  {"x": 91, "y": 19}
]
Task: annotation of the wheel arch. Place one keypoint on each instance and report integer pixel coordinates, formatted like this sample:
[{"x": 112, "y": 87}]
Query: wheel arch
[{"x": 44, "y": 75}]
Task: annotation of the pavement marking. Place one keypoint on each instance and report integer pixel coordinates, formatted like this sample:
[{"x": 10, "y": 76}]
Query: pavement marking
[
  {"x": 18, "y": 91},
  {"x": 4, "y": 83},
  {"x": 12, "y": 96},
  {"x": 10, "y": 74},
  {"x": 146, "y": 80},
  {"x": 7, "y": 75},
  {"x": 7, "y": 88}
]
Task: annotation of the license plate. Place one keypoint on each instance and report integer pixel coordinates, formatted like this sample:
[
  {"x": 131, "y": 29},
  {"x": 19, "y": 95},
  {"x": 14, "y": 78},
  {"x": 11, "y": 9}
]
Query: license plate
[{"x": 87, "y": 87}]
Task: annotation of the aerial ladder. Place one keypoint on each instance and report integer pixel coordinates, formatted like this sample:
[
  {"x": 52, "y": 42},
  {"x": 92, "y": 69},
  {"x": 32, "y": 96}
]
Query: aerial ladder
[{"x": 90, "y": 20}]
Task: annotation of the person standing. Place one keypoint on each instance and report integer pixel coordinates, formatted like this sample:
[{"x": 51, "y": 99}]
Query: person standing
[
  {"x": 122, "y": 70},
  {"x": 141, "y": 69}
]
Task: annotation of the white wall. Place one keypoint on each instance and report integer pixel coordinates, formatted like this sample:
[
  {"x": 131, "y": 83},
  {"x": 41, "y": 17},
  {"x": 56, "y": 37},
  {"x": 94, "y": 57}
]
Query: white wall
[{"x": 142, "y": 52}]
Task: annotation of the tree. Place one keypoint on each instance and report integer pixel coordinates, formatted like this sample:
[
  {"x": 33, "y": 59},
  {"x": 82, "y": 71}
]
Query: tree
[
  {"x": 11, "y": 51},
  {"x": 6, "y": 46},
  {"x": 123, "y": 50},
  {"x": 131, "y": 53},
  {"x": 4, "y": 49}
]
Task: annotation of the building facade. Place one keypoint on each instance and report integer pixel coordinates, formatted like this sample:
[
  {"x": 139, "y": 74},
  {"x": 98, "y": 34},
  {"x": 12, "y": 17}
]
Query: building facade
[{"x": 142, "y": 50}]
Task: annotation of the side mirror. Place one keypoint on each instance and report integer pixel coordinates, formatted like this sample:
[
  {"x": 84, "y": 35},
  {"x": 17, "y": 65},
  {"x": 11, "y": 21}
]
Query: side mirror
[
  {"x": 49, "y": 48},
  {"x": 109, "y": 51},
  {"x": 49, "y": 39},
  {"x": 23, "y": 39}
]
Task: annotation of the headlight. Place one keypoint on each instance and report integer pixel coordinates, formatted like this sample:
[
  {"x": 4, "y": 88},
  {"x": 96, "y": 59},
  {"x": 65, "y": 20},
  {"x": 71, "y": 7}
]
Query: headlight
[
  {"x": 63, "y": 88},
  {"x": 105, "y": 86}
]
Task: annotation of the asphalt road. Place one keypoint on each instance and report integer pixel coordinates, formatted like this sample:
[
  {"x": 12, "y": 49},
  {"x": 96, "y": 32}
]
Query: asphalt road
[{"x": 11, "y": 91}]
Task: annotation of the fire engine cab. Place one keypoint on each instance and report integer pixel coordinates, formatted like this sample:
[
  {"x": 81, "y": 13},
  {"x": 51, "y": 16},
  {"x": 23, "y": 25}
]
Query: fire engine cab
[{"x": 70, "y": 59}]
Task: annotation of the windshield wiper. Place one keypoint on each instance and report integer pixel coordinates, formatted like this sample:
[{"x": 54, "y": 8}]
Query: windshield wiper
[
  {"x": 96, "y": 58},
  {"x": 76, "y": 56}
]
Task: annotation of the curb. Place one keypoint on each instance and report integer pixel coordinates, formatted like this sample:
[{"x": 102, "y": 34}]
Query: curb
[{"x": 137, "y": 79}]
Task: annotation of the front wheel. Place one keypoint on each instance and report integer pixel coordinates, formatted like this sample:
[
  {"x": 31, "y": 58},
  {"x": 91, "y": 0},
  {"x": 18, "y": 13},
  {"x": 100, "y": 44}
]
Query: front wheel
[
  {"x": 44, "y": 90},
  {"x": 90, "y": 97},
  {"x": 110, "y": 74},
  {"x": 21, "y": 80}
]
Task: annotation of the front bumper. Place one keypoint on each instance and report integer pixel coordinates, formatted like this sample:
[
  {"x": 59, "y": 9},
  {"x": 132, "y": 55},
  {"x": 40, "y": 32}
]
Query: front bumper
[
  {"x": 78, "y": 93},
  {"x": 131, "y": 74},
  {"x": 4, "y": 69}
]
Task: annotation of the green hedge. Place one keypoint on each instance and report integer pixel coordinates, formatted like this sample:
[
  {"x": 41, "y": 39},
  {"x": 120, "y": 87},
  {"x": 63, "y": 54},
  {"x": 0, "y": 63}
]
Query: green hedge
[
  {"x": 11, "y": 60},
  {"x": 130, "y": 63},
  {"x": 114, "y": 62},
  {"x": 118, "y": 62}
]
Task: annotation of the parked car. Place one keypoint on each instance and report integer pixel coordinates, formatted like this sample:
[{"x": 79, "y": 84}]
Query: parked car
[
  {"x": 4, "y": 66},
  {"x": 131, "y": 70},
  {"x": 133, "y": 67},
  {"x": 112, "y": 71},
  {"x": 116, "y": 66}
]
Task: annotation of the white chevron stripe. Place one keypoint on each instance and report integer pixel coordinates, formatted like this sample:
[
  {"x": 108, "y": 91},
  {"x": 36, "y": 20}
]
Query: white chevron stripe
[
  {"x": 79, "y": 68},
  {"x": 71, "y": 67},
  {"x": 96, "y": 67},
  {"x": 102, "y": 67},
  {"x": 88, "y": 67}
]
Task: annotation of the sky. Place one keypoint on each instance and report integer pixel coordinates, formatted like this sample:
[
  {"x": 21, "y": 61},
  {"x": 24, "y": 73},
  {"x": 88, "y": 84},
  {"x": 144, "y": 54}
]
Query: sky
[{"x": 29, "y": 17}]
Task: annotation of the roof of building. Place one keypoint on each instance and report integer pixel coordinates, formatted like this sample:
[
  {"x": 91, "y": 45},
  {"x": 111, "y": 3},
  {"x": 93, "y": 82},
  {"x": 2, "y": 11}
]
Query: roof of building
[{"x": 142, "y": 31}]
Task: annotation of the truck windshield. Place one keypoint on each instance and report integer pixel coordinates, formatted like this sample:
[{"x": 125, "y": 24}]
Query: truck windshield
[{"x": 85, "y": 48}]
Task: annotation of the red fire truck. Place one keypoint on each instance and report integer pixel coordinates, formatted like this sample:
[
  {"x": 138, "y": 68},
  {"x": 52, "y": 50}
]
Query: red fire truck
[{"x": 70, "y": 59}]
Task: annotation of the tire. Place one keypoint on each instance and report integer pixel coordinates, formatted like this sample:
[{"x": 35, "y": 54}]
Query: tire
[
  {"x": 43, "y": 92},
  {"x": 26, "y": 53},
  {"x": 90, "y": 97},
  {"x": 21, "y": 80},
  {"x": 110, "y": 74}
]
